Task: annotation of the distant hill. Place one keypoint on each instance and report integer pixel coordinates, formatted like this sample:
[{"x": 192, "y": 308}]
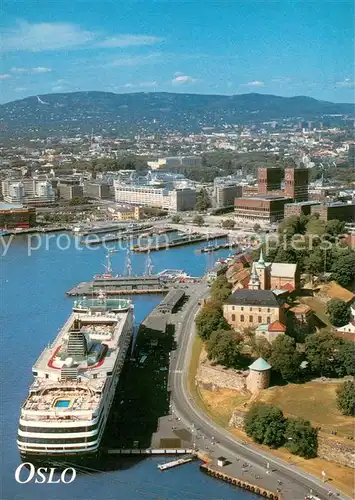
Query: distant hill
[{"x": 109, "y": 113}]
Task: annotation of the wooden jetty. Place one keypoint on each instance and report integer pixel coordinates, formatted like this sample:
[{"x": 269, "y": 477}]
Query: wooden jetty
[{"x": 176, "y": 463}]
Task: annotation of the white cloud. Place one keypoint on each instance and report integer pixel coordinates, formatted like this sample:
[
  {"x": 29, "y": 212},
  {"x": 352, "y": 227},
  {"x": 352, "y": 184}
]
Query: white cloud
[
  {"x": 39, "y": 69},
  {"x": 19, "y": 70},
  {"x": 182, "y": 79},
  {"x": 128, "y": 41},
  {"x": 347, "y": 82},
  {"x": 282, "y": 80},
  {"x": 39, "y": 37},
  {"x": 135, "y": 60},
  {"x": 20, "y": 89},
  {"x": 141, "y": 84},
  {"x": 255, "y": 83},
  {"x": 5, "y": 76}
]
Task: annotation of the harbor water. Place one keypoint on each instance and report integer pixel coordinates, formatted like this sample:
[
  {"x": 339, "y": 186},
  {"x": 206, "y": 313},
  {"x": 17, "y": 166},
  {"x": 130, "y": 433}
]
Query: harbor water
[{"x": 33, "y": 307}]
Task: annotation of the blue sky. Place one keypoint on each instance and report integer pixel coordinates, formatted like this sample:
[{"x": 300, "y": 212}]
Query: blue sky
[{"x": 283, "y": 47}]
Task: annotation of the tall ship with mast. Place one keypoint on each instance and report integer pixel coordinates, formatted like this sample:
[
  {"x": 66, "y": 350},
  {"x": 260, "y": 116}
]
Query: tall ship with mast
[{"x": 75, "y": 380}]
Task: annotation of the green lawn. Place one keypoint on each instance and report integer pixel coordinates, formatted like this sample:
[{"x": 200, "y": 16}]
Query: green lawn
[{"x": 314, "y": 401}]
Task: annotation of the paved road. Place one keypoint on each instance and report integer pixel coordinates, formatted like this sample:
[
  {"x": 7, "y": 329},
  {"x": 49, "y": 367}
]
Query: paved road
[{"x": 295, "y": 483}]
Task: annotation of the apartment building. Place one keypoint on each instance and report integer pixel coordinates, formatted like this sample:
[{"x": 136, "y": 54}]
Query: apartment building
[
  {"x": 28, "y": 191},
  {"x": 159, "y": 197},
  {"x": 224, "y": 194}
]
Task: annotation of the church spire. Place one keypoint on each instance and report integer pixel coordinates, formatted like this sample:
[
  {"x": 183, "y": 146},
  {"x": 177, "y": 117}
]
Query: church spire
[
  {"x": 261, "y": 261},
  {"x": 254, "y": 282}
]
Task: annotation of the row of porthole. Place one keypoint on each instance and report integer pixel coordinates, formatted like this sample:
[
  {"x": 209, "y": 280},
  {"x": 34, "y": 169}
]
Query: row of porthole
[{"x": 240, "y": 484}]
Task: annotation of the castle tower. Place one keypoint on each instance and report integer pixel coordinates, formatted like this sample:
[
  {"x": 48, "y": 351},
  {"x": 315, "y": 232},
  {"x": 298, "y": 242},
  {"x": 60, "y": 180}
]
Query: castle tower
[
  {"x": 259, "y": 375},
  {"x": 254, "y": 282}
]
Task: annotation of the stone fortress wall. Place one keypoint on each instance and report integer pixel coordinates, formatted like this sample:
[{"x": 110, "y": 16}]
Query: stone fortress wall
[{"x": 214, "y": 377}]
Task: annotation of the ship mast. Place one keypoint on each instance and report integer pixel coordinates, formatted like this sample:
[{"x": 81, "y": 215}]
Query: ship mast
[
  {"x": 128, "y": 265},
  {"x": 108, "y": 265},
  {"x": 148, "y": 265}
]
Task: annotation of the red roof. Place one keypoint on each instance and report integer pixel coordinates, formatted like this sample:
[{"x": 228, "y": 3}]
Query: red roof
[
  {"x": 277, "y": 326},
  {"x": 288, "y": 286},
  {"x": 245, "y": 259}
]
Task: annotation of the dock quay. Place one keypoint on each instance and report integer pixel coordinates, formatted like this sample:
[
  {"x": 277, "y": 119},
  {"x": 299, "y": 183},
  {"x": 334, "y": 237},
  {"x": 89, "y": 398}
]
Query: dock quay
[
  {"x": 177, "y": 242},
  {"x": 176, "y": 463},
  {"x": 31, "y": 230},
  {"x": 121, "y": 285},
  {"x": 221, "y": 246},
  {"x": 240, "y": 483},
  {"x": 93, "y": 238},
  {"x": 150, "y": 451},
  {"x": 110, "y": 229}
]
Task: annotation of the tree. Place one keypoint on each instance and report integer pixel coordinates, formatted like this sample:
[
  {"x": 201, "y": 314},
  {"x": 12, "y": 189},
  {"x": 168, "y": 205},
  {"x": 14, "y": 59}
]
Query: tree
[
  {"x": 203, "y": 201},
  {"x": 224, "y": 347},
  {"x": 285, "y": 358},
  {"x": 345, "y": 395},
  {"x": 198, "y": 220},
  {"x": 343, "y": 268},
  {"x": 316, "y": 226},
  {"x": 338, "y": 312},
  {"x": 256, "y": 227},
  {"x": 344, "y": 358},
  {"x": 266, "y": 424},
  {"x": 77, "y": 200},
  {"x": 301, "y": 438},
  {"x": 228, "y": 224},
  {"x": 321, "y": 349},
  {"x": 176, "y": 219},
  {"x": 221, "y": 288},
  {"x": 262, "y": 348},
  {"x": 335, "y": 227},
  {"x": 210, "y": 319},
  {"x": 315, "y": 262},
  {"x": 288, "y": 256},
  {"x": 290, "y": 226}
]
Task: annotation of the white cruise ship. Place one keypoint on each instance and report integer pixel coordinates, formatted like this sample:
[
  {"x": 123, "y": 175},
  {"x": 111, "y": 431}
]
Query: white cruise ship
[{"x": 76, "y": 377}]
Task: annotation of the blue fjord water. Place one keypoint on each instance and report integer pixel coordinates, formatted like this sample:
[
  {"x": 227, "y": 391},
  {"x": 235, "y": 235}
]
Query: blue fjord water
[{"x": 33, "y": 306}]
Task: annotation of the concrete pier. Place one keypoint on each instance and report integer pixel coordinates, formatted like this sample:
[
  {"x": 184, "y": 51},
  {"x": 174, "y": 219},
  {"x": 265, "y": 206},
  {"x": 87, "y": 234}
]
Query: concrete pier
[
  {"x": 239, "y": 482},
  {"x": 188, "y": 240}
]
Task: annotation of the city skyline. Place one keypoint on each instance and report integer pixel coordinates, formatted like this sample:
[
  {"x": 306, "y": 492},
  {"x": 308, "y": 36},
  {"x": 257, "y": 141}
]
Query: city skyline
[{"x": 282, "y": 48}]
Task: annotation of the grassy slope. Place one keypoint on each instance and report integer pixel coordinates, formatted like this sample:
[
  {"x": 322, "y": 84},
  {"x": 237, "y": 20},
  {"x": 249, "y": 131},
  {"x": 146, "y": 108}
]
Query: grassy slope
[{"x": 219, "y": 404}]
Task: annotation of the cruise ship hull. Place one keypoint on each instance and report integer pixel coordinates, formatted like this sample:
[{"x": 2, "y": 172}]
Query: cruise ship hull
[{"x": 74, "y": 438}]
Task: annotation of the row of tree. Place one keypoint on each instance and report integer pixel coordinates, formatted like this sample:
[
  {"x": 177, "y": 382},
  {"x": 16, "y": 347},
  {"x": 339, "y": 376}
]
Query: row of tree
[
  {"x": 338, "y": 312},
  {"x": 266, "y": 424},
  {"x": 345, "y": 395},
  {"x": 203, "y": 201}
]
